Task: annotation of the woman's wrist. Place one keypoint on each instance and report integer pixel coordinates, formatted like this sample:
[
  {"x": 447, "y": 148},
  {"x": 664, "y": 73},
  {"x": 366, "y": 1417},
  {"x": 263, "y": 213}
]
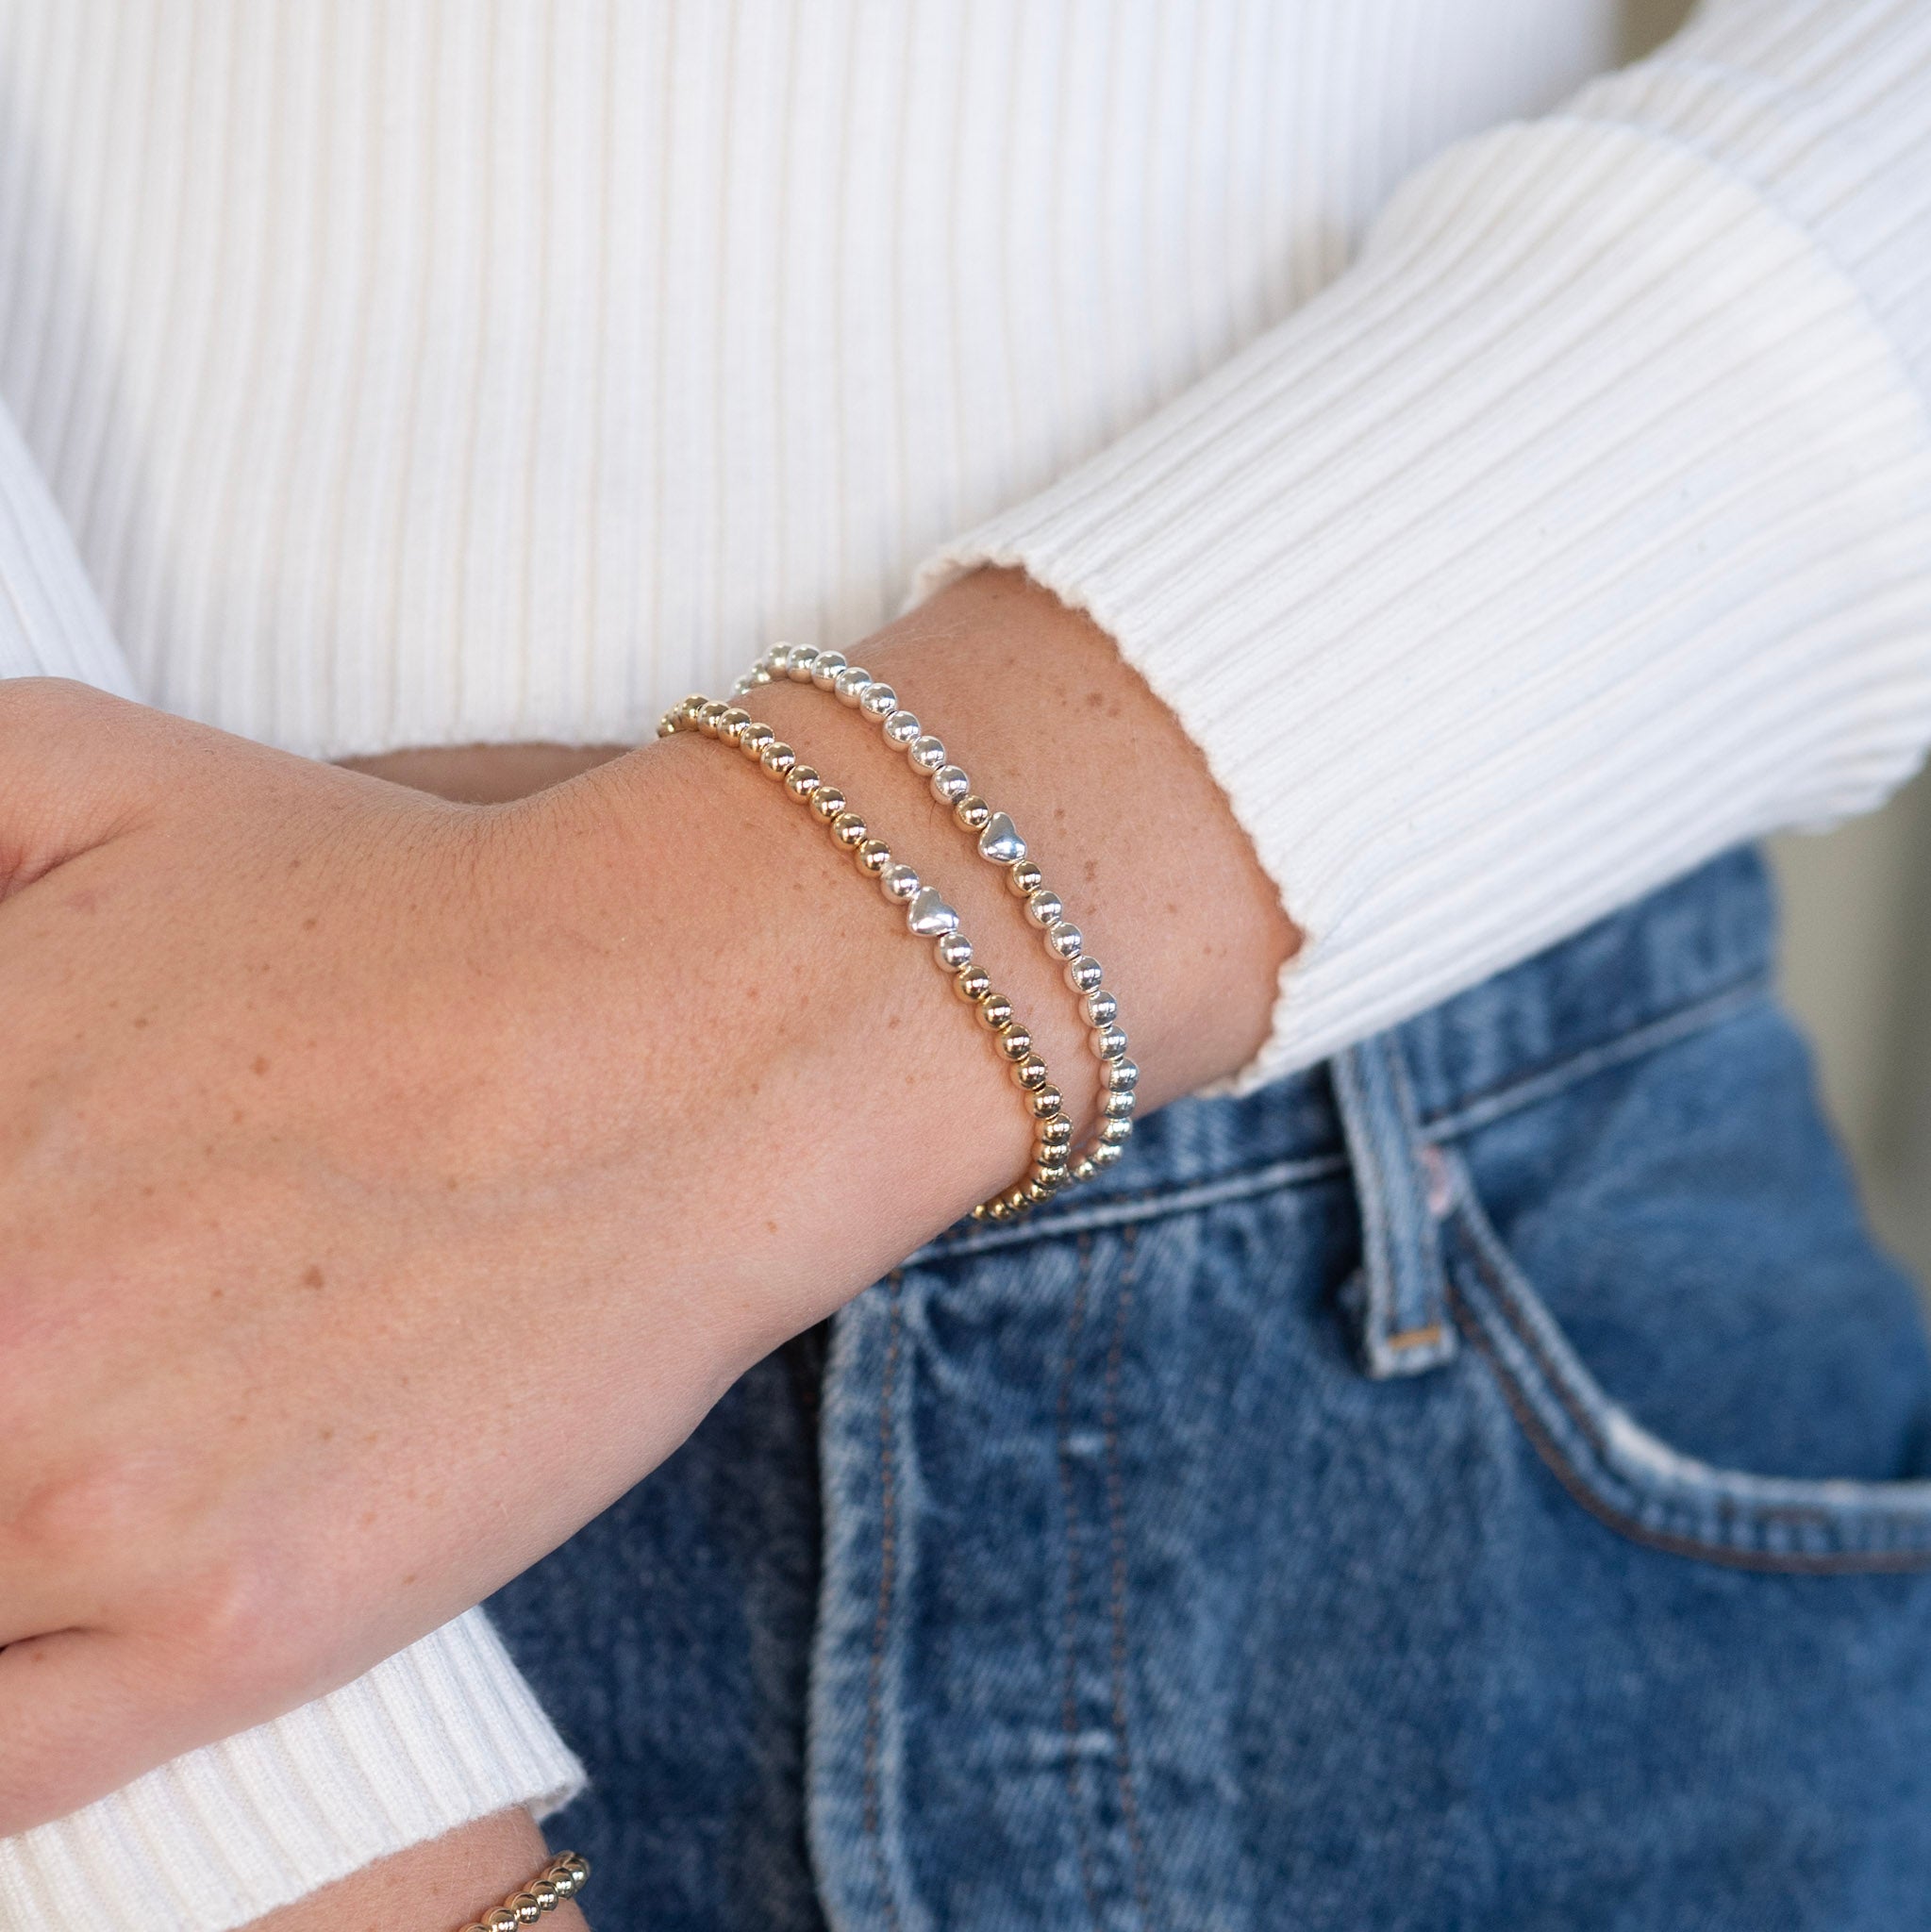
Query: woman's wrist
[{"x": 837, "y": 1106}]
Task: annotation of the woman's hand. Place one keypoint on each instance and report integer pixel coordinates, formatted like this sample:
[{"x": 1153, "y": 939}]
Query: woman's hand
[{"x": 387, "y": 1184}]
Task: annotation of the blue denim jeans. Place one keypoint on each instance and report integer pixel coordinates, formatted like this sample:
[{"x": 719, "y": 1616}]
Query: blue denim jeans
[{"x": 1478, "y": 1484}]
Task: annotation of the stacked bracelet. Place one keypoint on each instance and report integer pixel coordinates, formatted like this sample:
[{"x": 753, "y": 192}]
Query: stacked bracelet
[
  {"x": 563, "y": 1877},
  {"x": 999, "y": 842},
  {"x": 928, "y": 916}
]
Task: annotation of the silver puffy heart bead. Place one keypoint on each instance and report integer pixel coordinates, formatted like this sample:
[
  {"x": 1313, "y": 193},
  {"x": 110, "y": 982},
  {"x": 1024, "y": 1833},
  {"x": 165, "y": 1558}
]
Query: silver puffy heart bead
[
  {"x": 1000, "y": 842},
  {"x": 929, "y": 916}
]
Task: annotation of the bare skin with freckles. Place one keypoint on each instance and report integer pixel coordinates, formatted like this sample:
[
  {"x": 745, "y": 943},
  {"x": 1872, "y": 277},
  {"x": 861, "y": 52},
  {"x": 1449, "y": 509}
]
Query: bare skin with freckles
[{"x": 387, "y": 1184}]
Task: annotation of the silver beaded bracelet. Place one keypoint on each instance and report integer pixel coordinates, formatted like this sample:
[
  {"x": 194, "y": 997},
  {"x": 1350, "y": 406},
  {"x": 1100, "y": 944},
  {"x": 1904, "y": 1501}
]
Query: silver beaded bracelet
[
  {"x": 927, "y": 917},
  {"x": 998, "y": 841}
]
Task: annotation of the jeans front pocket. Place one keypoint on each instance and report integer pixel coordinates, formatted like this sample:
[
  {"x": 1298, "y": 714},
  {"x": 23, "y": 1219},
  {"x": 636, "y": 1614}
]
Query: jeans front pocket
[{"x": 1699, "y": 1232}]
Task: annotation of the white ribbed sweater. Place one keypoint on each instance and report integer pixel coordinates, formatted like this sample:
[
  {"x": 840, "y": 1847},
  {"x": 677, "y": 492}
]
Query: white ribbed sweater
[{"x": 413, "y": 373}]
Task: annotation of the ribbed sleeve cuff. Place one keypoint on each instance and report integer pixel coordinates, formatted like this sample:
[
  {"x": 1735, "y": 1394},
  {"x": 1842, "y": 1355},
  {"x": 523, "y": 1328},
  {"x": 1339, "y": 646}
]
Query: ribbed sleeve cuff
[
  {"x": 1578, "y": 532},
  {"x": 445, "y": 1733}
]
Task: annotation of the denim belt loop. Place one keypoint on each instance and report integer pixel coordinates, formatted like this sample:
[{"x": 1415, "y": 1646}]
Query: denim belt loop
[{"x": 1399, "y": 1299}]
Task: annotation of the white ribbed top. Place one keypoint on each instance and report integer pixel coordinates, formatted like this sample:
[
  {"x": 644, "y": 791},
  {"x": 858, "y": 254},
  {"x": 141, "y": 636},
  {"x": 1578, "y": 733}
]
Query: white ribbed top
[{"x": 411, "y": 373}]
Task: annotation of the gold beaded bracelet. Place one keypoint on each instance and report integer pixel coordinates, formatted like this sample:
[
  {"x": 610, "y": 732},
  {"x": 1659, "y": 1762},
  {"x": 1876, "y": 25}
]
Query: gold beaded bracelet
[
  {"x": 998, "y": 841},
  {"x": 563, "y": 1877},
  {"x": 928, "y": 916}
]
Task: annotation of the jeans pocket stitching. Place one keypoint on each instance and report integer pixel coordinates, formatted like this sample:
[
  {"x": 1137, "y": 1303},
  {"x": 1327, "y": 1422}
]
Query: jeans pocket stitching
[{"x": 1636, "y": 1483}]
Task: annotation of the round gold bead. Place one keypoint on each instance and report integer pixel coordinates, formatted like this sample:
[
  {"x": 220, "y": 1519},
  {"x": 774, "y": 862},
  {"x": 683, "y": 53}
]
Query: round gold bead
[
  {"x": 995, "y": 1010},
  {"x": 1024, "y": 877},
  {"x": 578, "y": 1868},
  {"x": 1115, "y": 1133},
  {"x": 1053, "y": 1173},
  {"x": 666, "y": 727},
  {"x": 1015, "y": 1042},
  {"x": 708, "y": 718},
  {"x": 731, "y": 725},
  {"x": 1119, "y": 1106},
  {"x": 955, "y": 951},
  {"x": 1083, "y": 974},
  {"x": 1084, "y": 1169},
  {"x": 755, "y": 738},
  {"x": 981, "y": 1212},
  {"x": 1030, "y": 1073},
  {"x": 972, "y": 812},
  {"x": 973, "y": 984},
  {"x": 828, "y": 802},
  {"x": 501, "y": 1919},
  {"x": 559, "y": 1877},
  {"x": 1042, "y": 906},
  {"x": 777, "y": 660},
  {"x": 1108, "y": 1040},
  {"x": 777, "y": 760},
  {"x": 545, "y": 1894},
  {"x": 848, "y": 828},
  {"x": 1046, "y": 1100},
  {"x": 526, "y": 1908},
  {"x": 873, "y": 856},
  {"x": 1106, "y": 1152},
  {"x": 690, "y": 710},
  {"x": 1038, "y": 1190},
  {"x": 1017, "y": 1200},
  {"x": 1056, "y": 1131},
  {"x": 801, "y": 781}
]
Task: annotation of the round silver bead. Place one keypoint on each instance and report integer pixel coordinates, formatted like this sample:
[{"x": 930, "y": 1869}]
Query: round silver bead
[
  {"x": 1063, "y": 939},
  {"x": 803, "y": 657},
  {"x": 878, "y": 702},
  {"x": 825, "y": 667},
  {"x": 901, "y": 728},
  {"x": 1115, "y": 1133},
  {"x": 850, "y": 682},
  {"x": 759, "y": 676},
  {"x": 926, "y": 754},
  {"x": 899, "y": 883},
  {"x": 1042, "y": 906},
  {"x": 1120, "y": 1105},
  {"x": 949, "y": 784},
  {"x": 739, "y": 685},
  {"x": 1106, "y": 1152},
  {"x": 955, "y": 951},
  {"x": 1083, "y": 975},
  {"x": 1119, "y": 1076},
  {"x": 777, "y": 660},
  {"x": 1101, "y": 1009},
  {"x": 1108, "y": 1041}
]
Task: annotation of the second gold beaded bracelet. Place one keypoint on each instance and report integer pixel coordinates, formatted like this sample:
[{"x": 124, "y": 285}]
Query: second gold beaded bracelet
[{"x": 928, "y": 916}]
